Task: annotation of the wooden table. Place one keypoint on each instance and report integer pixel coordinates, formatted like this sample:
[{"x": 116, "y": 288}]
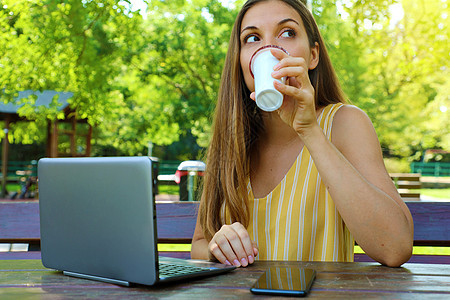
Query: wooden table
[{"x": 28, "y": 279}]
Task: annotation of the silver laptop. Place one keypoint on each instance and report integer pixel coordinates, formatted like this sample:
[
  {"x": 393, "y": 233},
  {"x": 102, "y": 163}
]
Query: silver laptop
[{"x": 98, "y": 221}]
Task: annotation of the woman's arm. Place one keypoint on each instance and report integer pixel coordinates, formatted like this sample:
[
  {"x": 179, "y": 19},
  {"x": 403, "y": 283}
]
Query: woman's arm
[
  {"x": 353, "y": 170},
  {"x": 351, "y": 167},
  {"x": 199, "y": 247}
]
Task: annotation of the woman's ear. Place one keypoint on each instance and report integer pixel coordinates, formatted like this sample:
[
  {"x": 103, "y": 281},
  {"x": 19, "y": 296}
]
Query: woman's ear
[{"x": 314, "y": 61}]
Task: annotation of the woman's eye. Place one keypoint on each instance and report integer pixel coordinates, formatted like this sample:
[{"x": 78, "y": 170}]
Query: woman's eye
[
  {"x": 251, "y": 39},
  {"x": 288, "y": 33}
]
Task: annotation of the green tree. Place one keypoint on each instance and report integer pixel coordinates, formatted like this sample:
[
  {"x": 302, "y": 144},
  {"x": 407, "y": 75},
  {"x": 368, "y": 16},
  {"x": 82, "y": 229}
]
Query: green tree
[
  {"x": 180, "y": 64},
  {"x": 343, "y": 47},
  {"x": 70, "y": 45},
  {"x": 156, "y": 78},
  {"x": 136, "y": 80},
  {"x": 405, "y": 61}
]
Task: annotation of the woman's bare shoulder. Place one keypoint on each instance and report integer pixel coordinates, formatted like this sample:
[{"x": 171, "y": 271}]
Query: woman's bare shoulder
[
  {"x": 352, "y": 124},
  {"x": 350, "y": 113}
]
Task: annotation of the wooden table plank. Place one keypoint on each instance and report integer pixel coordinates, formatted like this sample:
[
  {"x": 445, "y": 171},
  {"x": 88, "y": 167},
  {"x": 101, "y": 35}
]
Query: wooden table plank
[{"x": 26, "y": 278}]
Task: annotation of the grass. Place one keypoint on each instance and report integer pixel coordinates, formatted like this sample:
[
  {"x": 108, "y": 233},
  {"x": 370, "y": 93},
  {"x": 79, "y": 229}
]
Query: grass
[
  {"x": 168, "y": 189},
  {"x": 174, "y": 247},
  {"x": 13, "y": 187},
  {"x": 417, "y": 249},
  {"x": 436, "y": 193},
  {"x": 421, "y": 250}
]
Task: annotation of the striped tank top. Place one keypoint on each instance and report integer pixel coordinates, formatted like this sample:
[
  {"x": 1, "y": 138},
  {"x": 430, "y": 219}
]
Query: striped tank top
[{"x": 298, "y": 219}]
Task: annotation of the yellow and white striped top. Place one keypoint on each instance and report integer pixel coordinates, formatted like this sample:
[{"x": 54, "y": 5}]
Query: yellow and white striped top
[{"x": 298, "y": 219}]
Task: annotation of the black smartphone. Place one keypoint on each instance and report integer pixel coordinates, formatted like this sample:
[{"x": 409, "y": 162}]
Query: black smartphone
[{"x": 285, "y": 281}]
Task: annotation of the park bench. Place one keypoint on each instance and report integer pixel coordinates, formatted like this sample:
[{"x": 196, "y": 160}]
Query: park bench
[
  {"x": 18, "y": 169},
  {"x": 19, "y": 223},
  {"x": 408, "y": 185},
  {"x": 22, "y": 173}
]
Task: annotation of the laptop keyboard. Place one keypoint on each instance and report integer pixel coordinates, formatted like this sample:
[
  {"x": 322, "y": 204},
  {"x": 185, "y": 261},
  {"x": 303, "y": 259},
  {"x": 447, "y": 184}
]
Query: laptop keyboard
[{"x": 169, "y": 270}]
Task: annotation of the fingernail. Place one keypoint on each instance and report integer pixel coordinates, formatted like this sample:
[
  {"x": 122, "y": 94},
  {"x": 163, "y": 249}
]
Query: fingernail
[
  {"x": 236, "y": 263},
  {"x": 251, "y": 259},
  {"x": 227, "y": 263},
  {"x": 244, "y": 262},
  {"x": 255, "y": 251},
  {"x": 275, "y": 73},
  {"x": 276, "y": 67}
]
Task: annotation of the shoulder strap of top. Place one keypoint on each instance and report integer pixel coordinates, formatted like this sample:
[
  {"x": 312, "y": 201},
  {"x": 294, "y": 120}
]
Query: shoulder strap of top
[{"x": 329, "y": 112}]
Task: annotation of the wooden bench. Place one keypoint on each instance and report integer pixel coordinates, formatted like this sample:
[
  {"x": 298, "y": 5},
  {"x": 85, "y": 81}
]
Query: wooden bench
[
  {"x": 19, "y": 223},
  {"x": 18, "y": 169},
  {"x": 408, "y": 185},
  {"x": 23, "y": 173}
]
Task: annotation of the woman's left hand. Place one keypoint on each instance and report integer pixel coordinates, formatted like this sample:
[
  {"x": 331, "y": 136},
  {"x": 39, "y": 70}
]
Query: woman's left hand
[{"x": 298, "y": 109}]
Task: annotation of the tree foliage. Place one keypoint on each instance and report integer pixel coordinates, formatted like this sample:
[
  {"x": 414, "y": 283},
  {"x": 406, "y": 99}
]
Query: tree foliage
[
  {"x": 406, "y": 70},
  {"x": 155, "y": 78},
  {"x": 179, "y": 66},
  {"x": 72, "y": 45}
]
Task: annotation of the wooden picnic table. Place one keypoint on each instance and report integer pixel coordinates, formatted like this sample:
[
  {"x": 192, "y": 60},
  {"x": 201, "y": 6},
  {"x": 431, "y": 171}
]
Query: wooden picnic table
[{"x": 28, "y": 279}]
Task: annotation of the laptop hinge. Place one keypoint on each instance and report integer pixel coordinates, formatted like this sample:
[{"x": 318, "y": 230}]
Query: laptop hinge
[{"x": 97, "y": 278}]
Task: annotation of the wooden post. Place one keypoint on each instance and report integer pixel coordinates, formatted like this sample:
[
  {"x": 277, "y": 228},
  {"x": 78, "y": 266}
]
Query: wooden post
[
  {"x": 5, "y": 157},
  {"x": 72, "y": 137},
  {"x": 52, "y": 139},
  {"x": 88, "y": 141}
]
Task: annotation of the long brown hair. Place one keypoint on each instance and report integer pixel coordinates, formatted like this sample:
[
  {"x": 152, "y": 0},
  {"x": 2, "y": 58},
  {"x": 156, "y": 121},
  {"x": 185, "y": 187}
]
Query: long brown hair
[{"x": 238, "y": 123}]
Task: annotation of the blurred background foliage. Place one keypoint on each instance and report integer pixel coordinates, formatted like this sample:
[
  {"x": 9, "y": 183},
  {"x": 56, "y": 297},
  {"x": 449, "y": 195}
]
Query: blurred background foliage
[{"x": 149, "y": 71}]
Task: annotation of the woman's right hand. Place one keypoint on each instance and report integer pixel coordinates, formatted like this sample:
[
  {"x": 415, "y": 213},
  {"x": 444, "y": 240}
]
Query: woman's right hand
[{"x": 231, "y": 245}]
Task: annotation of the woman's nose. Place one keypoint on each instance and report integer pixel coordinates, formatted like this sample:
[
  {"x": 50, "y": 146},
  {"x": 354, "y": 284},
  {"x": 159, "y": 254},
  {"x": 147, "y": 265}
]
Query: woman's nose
[{"x": 270, "y": 41}]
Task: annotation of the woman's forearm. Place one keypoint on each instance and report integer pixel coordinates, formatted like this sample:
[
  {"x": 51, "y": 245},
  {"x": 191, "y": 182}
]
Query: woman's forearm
[
  {"x": 377, "y": 222},
  {"x": 199, "y": 249}
]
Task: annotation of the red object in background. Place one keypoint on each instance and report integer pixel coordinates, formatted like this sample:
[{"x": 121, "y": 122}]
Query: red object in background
[
  {"x": 181, "y": 173},
  {"x": 178, "y": 175}
]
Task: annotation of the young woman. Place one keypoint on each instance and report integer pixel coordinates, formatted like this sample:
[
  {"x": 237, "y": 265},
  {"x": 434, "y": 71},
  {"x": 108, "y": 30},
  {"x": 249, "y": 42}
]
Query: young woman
[{"x": 303, "y": 182}]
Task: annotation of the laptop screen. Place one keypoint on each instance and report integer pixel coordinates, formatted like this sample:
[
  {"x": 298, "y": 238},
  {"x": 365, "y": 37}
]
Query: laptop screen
[{"x": 98, "y": 217}]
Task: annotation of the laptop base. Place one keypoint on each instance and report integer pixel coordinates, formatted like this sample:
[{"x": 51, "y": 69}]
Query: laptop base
[{"x": 97, "y": 278}]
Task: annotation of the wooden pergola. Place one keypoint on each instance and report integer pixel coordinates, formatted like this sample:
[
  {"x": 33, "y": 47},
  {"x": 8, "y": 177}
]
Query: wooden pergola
[{"x": 9, "y": 114}]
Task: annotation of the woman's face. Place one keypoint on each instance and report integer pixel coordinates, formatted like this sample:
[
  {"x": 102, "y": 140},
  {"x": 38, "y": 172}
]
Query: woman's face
[{"x": 273, "y": 23}]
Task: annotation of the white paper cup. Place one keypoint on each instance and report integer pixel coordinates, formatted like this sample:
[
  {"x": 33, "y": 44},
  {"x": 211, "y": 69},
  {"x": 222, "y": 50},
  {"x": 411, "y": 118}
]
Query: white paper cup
[{"x": 261, "y": 68}]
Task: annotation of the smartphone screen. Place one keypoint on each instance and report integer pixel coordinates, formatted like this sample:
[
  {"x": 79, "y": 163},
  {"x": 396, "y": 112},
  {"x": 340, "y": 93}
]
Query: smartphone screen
[{"x": 285, "y": 281}]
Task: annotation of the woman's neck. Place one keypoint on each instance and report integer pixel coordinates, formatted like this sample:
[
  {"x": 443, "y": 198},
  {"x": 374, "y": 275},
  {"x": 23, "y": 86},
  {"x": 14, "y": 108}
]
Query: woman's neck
[{"x": 276, "y": 131}]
